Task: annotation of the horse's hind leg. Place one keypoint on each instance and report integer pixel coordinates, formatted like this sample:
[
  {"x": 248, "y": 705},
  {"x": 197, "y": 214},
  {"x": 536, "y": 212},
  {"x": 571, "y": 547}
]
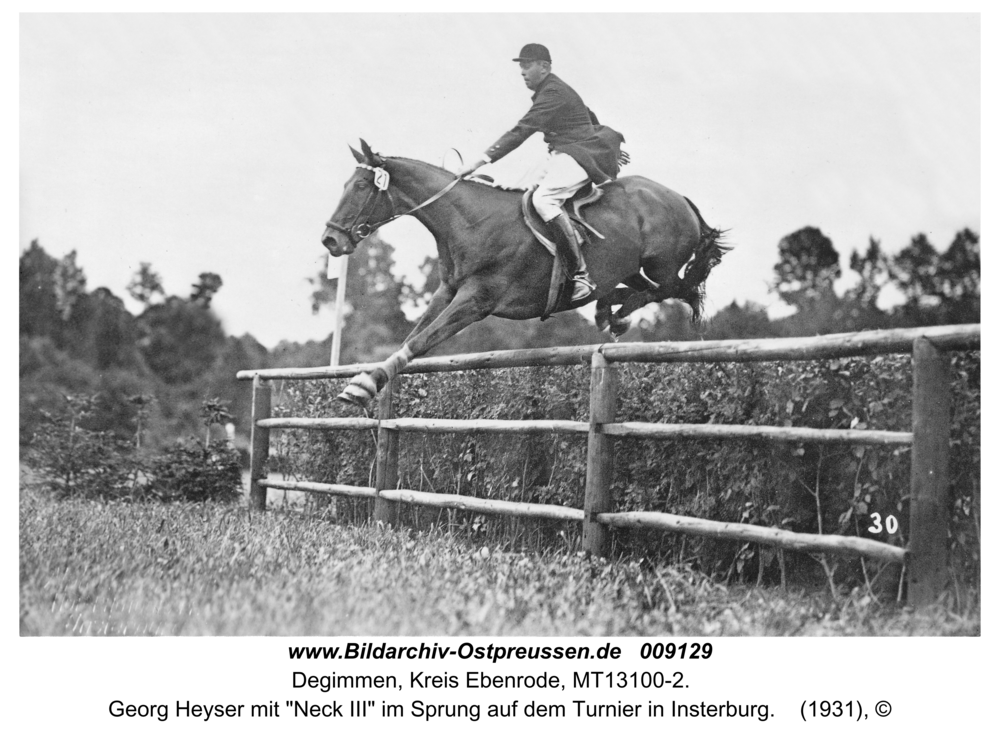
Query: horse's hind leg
[
  {"x": 669, "y": 286},
  {"x": 619, "y": 323},
  {"x": 603, "y": 316}
]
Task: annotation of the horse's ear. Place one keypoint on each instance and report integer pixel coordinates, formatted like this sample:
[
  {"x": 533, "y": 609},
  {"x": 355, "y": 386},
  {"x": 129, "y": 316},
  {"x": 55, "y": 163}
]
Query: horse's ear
[
  {"x": 357, "y": 155},
  {"x": 369, "y": 156}
]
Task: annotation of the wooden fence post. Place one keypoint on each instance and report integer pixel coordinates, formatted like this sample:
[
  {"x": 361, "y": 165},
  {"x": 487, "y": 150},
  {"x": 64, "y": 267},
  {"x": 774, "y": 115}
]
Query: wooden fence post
[
  {"x": 260, "y": 440},
  {"x": 929, "y": 513},
  {"x": 600, "y": 457},
  {"x": 387, "y": 458}
]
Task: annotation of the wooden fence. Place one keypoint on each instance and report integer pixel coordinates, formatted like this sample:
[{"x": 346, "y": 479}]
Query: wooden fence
[{"x": 925, "y": 557}]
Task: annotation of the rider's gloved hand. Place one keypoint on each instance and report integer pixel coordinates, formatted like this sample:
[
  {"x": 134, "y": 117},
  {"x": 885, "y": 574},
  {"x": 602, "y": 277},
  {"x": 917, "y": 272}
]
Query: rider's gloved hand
[{"x": 469, "y": 168}]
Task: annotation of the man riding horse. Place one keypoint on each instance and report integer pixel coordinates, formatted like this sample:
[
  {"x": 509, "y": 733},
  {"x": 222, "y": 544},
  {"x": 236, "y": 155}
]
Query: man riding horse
[
  {"x": 580, "y": 151},
  {"x": 489, "y": 261}
]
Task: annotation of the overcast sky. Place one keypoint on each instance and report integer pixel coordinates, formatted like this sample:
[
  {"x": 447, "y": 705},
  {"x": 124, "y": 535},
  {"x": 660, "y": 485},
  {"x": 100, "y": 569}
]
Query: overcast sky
[{"x": 219, "y": 142}]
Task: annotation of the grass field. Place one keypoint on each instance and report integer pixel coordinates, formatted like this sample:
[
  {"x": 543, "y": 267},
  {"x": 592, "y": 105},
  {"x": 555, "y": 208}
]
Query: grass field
[{"x": 94, "y": 568}]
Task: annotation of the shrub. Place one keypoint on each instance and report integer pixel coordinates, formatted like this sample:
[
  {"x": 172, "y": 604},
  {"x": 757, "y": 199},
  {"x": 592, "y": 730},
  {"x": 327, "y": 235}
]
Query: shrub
[
  {"x": 73, "y": 460},
  {"x": 191, "y": 471},
  {"x": 799, "y": 487},
  {"x": 82, "y": 462}
]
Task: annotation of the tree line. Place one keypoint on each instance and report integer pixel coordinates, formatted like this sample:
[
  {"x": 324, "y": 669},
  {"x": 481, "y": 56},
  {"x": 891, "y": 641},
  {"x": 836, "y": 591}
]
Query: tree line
[
  {"x": 176, "y": 353},
  {"x": 169, "y": 358}
]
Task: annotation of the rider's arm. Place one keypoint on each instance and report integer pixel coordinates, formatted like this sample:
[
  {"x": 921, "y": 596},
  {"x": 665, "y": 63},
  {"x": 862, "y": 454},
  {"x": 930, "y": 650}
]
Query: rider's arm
[{"x": 544, "y": 109}]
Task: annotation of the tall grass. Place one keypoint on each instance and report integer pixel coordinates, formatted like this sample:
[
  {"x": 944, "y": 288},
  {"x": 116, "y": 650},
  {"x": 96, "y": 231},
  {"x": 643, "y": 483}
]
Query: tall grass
[{"x": 113, "y": 568}]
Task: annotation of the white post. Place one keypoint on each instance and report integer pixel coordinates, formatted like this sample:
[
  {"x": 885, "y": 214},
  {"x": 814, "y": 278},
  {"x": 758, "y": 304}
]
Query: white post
[{"x": 340, "y": 266}]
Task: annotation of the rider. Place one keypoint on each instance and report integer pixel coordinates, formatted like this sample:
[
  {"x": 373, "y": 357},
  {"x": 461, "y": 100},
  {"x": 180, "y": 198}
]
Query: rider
[{"x": 580, "y": 150}]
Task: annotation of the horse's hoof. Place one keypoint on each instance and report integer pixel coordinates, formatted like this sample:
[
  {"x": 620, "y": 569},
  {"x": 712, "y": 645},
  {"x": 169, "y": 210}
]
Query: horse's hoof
[
  {"x": 359, "y": 391},
  {"x": 353, "y": 397},
  {"x": 619, "y": 328}
]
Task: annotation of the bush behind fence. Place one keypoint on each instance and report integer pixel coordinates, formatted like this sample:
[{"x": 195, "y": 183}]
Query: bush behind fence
[{"x": 749, "y": 481}]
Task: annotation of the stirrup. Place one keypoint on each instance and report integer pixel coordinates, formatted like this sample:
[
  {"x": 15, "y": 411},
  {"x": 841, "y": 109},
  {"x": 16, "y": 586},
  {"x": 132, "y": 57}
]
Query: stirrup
[{"x": 582, "y": 286}]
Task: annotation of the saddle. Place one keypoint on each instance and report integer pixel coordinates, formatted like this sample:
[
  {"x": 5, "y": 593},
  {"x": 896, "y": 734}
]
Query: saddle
[{"x": 538, "y": 228}]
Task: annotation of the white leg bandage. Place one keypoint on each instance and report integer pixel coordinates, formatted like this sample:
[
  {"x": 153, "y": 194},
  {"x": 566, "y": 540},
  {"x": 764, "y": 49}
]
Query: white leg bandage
[{"x": 397, "y": 361}]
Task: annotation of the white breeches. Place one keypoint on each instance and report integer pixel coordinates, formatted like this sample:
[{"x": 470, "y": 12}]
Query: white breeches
[{"x": 562, "y": 179}]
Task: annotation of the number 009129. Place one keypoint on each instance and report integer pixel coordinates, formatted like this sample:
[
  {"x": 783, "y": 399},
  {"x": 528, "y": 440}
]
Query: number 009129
[{"x": 670, "y": 650}]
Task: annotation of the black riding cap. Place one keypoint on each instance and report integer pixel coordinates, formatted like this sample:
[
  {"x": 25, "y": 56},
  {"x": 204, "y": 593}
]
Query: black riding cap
[{"x": 534, "y": 52}]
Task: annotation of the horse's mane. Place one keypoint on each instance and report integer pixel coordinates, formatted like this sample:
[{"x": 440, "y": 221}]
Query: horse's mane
[
  {"x": 481, "y": 182},
  {"x": 493, "y": 185}
]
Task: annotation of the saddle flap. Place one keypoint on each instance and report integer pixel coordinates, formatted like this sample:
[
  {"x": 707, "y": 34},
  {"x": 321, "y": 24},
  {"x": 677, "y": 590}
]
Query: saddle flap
[
  {"x": 537, "y": 227},
  {"x": 535, "y": 223},
  {"x": 588, "y": 197}
]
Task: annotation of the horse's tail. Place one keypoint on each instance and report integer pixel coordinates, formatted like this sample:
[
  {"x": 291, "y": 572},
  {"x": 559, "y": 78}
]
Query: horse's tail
[{"x": 707, "y": 255}]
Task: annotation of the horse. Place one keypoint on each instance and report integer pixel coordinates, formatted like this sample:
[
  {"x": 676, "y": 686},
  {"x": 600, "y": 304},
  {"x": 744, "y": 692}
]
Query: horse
[{"x": 490, "y": 262}]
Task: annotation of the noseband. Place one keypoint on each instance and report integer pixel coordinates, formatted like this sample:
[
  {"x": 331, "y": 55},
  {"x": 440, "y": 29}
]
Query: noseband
[{"x": 361, "y": 227}]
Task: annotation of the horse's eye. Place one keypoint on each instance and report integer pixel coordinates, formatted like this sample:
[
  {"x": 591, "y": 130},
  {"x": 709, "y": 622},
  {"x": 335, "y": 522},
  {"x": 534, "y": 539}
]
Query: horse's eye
[{"x": 361, "y": 185}]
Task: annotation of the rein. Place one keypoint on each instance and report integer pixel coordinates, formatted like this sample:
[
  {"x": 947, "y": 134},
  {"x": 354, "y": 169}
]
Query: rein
[{"x": 361, "y": 230}]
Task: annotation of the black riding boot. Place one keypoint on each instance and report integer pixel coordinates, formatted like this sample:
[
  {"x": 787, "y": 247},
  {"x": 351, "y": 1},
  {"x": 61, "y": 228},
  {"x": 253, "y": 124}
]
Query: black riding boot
[{"x": 572, "y": 258}]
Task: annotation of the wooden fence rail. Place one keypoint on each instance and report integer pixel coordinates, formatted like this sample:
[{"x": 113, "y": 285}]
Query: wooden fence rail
[
  {"x": 925, "y": 556},
  {"x": 618, "y": 429},
  {"x": 846, "y": 345}
]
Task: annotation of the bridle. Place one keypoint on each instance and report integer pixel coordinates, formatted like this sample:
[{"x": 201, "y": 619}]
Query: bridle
[{"x": 361, "y": 227}]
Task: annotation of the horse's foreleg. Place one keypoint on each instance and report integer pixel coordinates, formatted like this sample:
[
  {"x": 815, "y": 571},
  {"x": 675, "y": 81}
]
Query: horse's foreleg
[
  {"x": 364, "y": 386},
  {"x": 467, "y": 307},
  {"x": 455, "y": 315},
  {"x": 441, "y": 298}
]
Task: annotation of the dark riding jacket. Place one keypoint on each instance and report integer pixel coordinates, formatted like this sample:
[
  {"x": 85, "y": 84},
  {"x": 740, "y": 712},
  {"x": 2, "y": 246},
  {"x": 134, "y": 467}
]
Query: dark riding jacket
[{"x": 569, "y": 126}]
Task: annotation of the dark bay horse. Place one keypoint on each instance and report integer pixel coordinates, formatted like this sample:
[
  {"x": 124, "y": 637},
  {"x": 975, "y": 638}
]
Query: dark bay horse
[{"x": 491, "y": 264}]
